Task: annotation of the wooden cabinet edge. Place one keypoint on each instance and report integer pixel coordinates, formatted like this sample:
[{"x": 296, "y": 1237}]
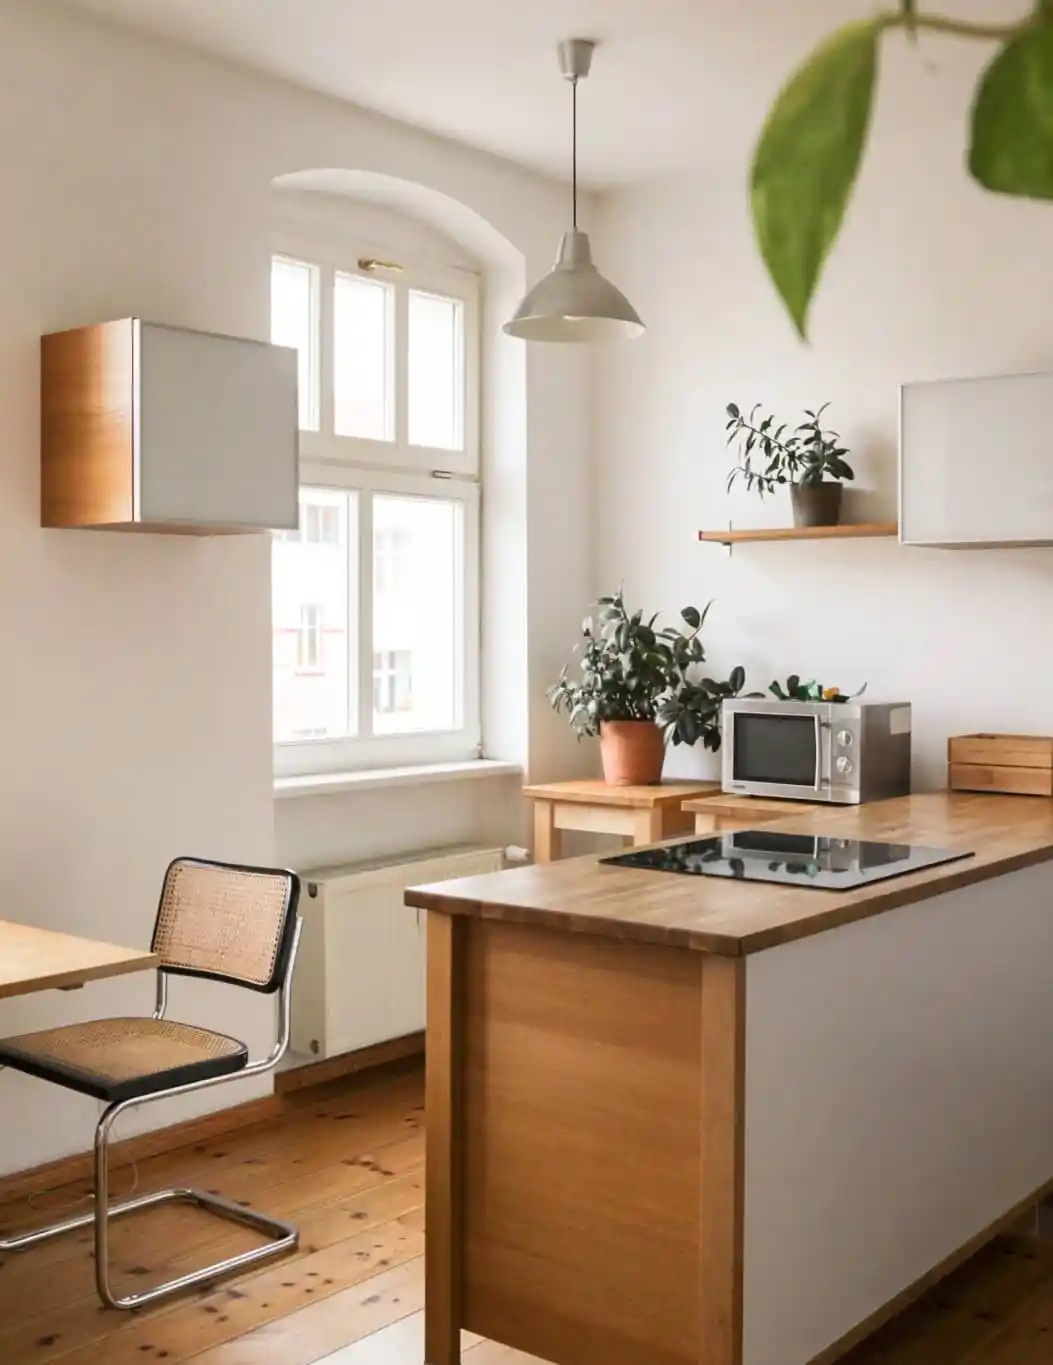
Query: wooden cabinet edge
[{"x": 87, "y": 425}]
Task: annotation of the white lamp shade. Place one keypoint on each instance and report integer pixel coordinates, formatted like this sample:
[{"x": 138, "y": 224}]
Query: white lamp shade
[{"x": 573, "y": 302}]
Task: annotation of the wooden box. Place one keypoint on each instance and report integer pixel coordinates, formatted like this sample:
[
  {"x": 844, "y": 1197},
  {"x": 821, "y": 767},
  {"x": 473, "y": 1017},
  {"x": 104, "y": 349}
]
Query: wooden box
[{"x": 1001, "y": 763}]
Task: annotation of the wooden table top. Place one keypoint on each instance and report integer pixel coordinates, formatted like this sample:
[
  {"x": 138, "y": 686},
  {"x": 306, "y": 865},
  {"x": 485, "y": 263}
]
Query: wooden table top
[
  {"x": 730, "y": 917},
  {"x": 40, "y": 960},
  {"x": 598, "y": 793},
  {"x": 729, "y": 803}
]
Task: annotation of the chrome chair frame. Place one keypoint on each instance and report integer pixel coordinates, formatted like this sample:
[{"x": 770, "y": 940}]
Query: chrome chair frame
[{"x": 284, "y": 1236}]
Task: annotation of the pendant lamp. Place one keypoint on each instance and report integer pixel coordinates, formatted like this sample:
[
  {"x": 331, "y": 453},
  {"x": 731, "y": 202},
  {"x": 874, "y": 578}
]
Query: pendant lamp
[{"x": 574, "y": 302}]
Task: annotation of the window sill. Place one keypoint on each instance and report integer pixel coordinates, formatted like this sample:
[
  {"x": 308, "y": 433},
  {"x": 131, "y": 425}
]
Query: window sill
[{"x": 323, "y": 784}]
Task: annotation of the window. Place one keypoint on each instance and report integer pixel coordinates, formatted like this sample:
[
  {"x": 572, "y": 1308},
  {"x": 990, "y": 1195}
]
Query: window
[
  {"x": 313, "y": 692},
  {"x": 436, "y": 371},
  {"x": 294, "y": 322},
  {"x": 390, "y": 550},
  {"x": 392, "y": 681},
  {"x": 375, "y": 596},
  {"x": 309, "y": 642},
  {"x": 321, "y": 524},
  {"x": 363, "y": 358}
]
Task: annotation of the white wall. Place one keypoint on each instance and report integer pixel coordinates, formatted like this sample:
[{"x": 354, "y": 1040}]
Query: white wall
[
  {"x": 931, "y": 278},
  {"x": 137, "y": 179}
]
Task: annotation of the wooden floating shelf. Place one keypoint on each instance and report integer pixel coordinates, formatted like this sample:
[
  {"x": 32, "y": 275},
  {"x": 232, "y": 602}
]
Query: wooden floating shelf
[{"x": 860, "y": 530}]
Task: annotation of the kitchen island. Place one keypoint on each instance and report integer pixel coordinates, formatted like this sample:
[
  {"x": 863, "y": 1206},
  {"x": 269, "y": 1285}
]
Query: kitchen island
[{"x": 689, "y": 1121}]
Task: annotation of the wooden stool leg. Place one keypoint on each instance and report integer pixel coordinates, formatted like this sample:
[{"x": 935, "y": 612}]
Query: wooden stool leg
[
  {"x": 548, "y": 840},
  {"x": 650, "y": 826}
]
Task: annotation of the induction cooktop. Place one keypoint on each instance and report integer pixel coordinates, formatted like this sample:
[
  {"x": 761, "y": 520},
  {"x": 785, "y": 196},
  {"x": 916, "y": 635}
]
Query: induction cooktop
[{"x": 811, "y": 860}]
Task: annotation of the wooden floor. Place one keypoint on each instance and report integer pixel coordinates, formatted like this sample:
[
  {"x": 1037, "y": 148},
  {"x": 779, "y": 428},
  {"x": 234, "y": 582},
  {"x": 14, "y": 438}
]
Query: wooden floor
[{"x": 346, "y": 1163}]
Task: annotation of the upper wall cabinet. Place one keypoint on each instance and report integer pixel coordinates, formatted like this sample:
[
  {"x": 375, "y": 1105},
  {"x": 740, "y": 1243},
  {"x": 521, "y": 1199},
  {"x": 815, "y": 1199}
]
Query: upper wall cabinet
[
  {"x": 976, "y": 462},
  {"x": 146, "y": 427}
]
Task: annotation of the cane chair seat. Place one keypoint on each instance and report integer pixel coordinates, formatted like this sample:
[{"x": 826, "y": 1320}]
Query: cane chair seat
[{"x": 120, "y": 1059}]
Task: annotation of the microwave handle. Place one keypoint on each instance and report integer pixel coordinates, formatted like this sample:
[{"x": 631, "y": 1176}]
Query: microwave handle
[{"x": 818, "y": 784}]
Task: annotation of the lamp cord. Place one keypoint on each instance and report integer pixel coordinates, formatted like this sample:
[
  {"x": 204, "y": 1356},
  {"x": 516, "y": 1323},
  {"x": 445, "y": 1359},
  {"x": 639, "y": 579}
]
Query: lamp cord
[{"x": 574, "y": 152}]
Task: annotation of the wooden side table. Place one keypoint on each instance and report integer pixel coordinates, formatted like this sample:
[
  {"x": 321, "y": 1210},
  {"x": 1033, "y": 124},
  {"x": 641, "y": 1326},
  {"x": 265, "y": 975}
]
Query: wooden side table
[
  {"x": 715, "y": 813},
  {"x": 643, "y": 814}
]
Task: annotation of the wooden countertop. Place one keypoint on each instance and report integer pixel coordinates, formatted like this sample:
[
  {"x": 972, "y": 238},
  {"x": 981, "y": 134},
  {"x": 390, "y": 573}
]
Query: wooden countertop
[
  {"x": 598, "y": 793},
  {"x": 719, "y": 915}
]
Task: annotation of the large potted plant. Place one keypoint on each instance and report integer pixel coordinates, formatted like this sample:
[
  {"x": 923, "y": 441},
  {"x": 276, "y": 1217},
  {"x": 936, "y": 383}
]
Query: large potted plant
[
  {"x": 809, "y": 458},
  {"x": 638, "y": 687}
]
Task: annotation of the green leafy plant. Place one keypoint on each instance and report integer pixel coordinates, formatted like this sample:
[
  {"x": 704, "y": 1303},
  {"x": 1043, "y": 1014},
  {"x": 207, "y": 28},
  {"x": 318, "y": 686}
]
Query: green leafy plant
[
  {"x": 812, "y": 144},
  {"x": 795, "y": 689},
  {"x": 631, "y": 670},
  {"x": 768, "y": 456}
]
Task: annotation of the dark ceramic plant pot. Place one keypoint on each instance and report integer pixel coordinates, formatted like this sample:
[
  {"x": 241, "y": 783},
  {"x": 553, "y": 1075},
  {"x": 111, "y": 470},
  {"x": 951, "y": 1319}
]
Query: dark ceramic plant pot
[{"x": 816, "y": 505}]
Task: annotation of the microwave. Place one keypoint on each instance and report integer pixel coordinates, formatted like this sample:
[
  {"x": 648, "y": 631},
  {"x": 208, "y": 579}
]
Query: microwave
[{"x": 841, "y": 752}]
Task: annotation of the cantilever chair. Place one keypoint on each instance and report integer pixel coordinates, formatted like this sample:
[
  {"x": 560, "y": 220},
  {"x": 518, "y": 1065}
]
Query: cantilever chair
[{"x": 220, "y": 921}]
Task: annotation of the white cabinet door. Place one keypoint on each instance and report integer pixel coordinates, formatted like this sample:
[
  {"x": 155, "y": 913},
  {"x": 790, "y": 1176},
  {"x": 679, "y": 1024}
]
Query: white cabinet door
[
  {"x": 218, "y": 434},
  {"x": 976, "y": 461}
]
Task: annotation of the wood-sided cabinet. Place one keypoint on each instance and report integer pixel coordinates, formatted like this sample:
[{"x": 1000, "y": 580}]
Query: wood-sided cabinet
[{"x": 155, "y": 428}]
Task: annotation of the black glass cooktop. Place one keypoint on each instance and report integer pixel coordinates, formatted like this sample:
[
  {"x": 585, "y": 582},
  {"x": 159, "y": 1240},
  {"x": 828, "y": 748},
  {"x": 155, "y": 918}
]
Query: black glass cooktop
[{"x": 759, "y": 855}]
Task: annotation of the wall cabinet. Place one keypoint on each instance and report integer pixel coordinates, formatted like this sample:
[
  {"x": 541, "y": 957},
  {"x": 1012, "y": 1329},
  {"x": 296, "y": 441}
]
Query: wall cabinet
[
  {"x": 976, "y": 462},
  {"x": 147, "y": 427}
]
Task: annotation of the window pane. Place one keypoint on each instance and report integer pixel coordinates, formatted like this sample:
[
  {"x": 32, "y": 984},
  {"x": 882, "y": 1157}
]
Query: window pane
[
  {"x": 418, "y": 572},
  {"x": 314, "y": 688},
  {"x": 293, "y": 323},
  {"x": 363, "y": 393},
  {"x": 436, "y": 371}
]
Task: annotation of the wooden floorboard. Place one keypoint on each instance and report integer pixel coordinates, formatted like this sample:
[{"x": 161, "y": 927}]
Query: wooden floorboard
[{"x": 345, "y": 1163}]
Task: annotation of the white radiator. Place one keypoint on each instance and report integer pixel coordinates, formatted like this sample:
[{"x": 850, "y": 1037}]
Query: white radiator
[{"x": 360, "y": 972}]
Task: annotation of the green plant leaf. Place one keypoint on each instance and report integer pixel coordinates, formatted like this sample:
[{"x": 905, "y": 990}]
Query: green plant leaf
[
  {"x": 1012, "y": 119},
  {"x": 807, "y": 160},
  {"x": 692, "y": 616},
  {"x": 688, "y": 728}
]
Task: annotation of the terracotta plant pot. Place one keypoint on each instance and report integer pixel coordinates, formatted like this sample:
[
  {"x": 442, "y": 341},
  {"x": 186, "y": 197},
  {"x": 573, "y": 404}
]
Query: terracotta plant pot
[
  {"x": 633, "y": 752},
  {"x": 817, "y": 505}
]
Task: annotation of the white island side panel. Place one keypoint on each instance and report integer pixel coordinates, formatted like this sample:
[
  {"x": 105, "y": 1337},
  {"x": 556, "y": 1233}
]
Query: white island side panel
[{"x": 899, "y": 1100}]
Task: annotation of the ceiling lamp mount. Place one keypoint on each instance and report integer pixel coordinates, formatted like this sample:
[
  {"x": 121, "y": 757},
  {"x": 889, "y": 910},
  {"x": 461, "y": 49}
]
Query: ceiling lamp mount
[{"x": 574, "y": 302}]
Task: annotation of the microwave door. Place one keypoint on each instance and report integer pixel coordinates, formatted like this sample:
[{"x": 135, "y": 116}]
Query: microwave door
[{"x": 776, "y": 755}]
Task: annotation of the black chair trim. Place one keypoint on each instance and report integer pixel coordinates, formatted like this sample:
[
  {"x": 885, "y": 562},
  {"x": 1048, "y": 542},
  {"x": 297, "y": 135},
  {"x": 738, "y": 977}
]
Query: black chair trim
[{"x": 135, "y": 1087}]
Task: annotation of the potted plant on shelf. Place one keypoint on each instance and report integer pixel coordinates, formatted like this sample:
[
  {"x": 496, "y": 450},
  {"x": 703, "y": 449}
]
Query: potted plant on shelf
[
  {"x": 638, "y": 688},
  {"x": 810, "y": 459}
]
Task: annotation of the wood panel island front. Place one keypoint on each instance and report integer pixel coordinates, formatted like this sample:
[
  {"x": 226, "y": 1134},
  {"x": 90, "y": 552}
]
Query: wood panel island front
[{"x": 690, "y": 1121}]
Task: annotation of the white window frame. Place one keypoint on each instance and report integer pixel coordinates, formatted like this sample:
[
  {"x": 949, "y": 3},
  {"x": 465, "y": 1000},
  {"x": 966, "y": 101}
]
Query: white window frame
[
  {"x": 368, "y": 468},
  {"x": 331, "y": 253}
]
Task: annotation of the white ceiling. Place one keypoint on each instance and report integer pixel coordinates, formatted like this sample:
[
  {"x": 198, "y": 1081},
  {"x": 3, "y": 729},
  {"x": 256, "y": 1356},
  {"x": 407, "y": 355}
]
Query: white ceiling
[{"x": 676, "y": 83}]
